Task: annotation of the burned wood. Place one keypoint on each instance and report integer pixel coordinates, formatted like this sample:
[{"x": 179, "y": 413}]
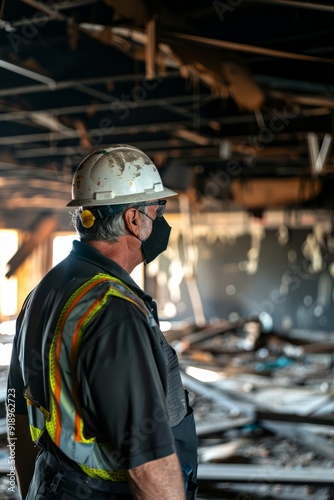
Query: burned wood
[
  {"x": 208, "y": 333},
  {"x": 261, "y": 415}
]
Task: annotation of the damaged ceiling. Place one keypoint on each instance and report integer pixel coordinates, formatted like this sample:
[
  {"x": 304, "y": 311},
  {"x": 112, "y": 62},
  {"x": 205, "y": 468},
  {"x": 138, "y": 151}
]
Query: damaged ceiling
[{"x": 232, "y": 99}]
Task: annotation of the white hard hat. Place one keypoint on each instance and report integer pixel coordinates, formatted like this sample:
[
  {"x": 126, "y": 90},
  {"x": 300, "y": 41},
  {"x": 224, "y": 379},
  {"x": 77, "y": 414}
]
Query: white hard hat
[{"x": 120, "y": 174}]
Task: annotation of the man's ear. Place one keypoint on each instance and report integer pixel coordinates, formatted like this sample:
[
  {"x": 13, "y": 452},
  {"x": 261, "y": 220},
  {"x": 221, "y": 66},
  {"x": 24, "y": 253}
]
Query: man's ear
[{"x": 132, "y": 221}]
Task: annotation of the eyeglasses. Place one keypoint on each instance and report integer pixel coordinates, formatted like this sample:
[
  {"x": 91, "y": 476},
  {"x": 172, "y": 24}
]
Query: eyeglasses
[{"x": 160, "y": 210}]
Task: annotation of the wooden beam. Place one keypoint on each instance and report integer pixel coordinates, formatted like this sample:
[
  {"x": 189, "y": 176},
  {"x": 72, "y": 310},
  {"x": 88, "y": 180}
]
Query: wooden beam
[
  {"x": 243, "y": 47},
  {"x": 39, "y": 231},
  {"x": 150, "y": 49}
]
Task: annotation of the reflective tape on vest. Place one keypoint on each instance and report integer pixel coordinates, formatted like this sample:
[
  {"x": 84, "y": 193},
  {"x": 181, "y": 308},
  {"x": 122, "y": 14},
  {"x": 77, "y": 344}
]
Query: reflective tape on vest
[{"x": 64, "y": 423}]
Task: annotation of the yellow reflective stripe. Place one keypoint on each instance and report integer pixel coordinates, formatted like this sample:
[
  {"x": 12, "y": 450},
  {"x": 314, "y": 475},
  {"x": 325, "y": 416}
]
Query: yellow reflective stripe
[
  {"x": 35, "y": 433},
  {"x": 116, "y": 476},
  {"x": 54, "y": 427},
  {"x": 138, "y": 302},
  {"x": 37, "y": 418},
  {"x": 66, "y": 326},
  {"x": 79, "y": 329}
]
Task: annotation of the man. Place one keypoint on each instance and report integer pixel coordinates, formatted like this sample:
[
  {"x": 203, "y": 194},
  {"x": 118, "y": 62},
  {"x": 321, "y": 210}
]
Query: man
[{"x": 96, "y": 384}]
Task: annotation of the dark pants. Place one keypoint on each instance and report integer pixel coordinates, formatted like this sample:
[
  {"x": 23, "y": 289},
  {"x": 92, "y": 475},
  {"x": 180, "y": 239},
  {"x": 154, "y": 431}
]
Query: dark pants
[
  {"x": 187, "y": 452},
  {"x": 50, "y": 481}
]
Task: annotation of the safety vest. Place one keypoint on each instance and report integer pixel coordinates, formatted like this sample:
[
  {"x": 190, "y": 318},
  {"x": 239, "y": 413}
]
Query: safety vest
[{"x": 63, "y": 421}]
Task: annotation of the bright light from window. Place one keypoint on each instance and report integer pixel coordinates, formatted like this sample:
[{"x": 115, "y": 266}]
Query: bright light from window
[
  {"x": 138, "y": 275},
  {"x": 8, "y": 286},
  {"x": 7, "y": 327},
  {"x": 202, "y": 374},
  {"x": 9, "y": 297},
  {"x": 165, "y": 326},
  {"x": 6, "y": 345},
  {"x": 62, "y": 246},
  {"x": 5, "y": 354}
]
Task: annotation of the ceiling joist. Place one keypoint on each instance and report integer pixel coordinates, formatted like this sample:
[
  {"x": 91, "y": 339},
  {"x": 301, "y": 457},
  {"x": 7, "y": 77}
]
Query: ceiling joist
[{"x": 176, "y": 80}]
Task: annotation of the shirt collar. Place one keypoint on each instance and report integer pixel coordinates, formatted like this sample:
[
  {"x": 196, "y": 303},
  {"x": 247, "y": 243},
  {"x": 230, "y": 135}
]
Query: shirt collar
[{"x": 92, "y": 255}]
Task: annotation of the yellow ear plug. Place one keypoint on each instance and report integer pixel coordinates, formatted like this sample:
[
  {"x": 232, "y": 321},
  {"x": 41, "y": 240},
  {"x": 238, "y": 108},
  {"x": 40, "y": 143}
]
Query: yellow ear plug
[{"x": 87, "y": 218}]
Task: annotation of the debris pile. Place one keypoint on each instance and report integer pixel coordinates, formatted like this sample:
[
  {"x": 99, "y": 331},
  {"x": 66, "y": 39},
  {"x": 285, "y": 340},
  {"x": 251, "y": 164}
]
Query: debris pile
[{"x": 264, "y": 410}]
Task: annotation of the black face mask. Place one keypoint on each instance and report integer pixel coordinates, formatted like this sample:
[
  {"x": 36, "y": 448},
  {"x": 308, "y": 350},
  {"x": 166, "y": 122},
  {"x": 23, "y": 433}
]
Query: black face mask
[{"x": 157, "y": 241}]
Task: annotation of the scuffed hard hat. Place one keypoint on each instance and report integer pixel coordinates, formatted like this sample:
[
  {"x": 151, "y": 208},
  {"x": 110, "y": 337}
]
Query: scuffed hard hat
[{"x": 120, "y": 174}]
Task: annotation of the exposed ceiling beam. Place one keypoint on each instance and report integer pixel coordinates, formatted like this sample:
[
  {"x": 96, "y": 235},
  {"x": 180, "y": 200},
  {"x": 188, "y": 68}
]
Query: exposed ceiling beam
[
  {"x": 26, "y": 21},
  {"x": 46, "y": 184},
  {"x": 114, "y": 104},
  {"x": 299, "y": 85},
  {"x": 33, "y": 75},
  {"x": 190, "y": 125},
  {"x": 70, "y": 4},
  {"x": 64, "y": 151},
  {"x": 299, "y": 5},
  {"x": 37, "y": 202},
  {"x": 171, "y": 146},
  {"x": 308, "y": 100},
  {"x": 47, "y": 9},
  {"x": 193, "y": 136},
  {"x": 74, "y": 134},
  {"x": 31, "y": 89},
  {"x": 242, "y": 47}
]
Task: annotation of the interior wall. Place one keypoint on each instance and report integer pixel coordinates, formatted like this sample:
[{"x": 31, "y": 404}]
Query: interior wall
[
  {"x": 282, "y": 271},
  {"x": 284, "y": 285}
]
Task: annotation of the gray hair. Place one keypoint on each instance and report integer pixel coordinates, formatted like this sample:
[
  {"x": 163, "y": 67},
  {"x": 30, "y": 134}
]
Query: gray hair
[{"x": 109, "y": 228}]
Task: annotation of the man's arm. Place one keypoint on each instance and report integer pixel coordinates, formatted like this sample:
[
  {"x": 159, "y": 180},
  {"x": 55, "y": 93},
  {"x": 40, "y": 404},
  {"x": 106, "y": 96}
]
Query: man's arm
[
  {"x": 161, "y": 478},
  {"x": 25, "y": 453}
]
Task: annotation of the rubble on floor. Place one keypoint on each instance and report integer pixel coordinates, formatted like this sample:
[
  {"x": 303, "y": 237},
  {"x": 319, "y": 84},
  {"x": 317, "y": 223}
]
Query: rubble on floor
[{"x": 264, "y": 410}]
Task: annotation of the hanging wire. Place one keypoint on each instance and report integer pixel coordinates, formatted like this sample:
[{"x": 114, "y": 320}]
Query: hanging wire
[{"x": 2, "y": 8}]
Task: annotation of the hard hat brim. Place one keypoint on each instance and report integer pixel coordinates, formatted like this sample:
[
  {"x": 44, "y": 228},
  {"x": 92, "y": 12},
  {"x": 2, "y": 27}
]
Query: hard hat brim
[{"x": 123, "y": 200}]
